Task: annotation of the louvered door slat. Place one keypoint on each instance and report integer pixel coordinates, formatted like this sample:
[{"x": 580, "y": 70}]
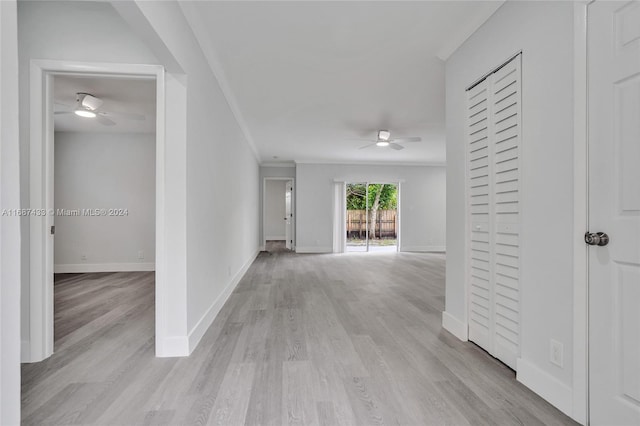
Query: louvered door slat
[{"x": 494, "y": 204}]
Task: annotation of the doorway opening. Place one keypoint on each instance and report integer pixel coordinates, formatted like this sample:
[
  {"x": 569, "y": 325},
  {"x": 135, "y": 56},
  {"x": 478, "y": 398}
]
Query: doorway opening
[
  {"x": 278, "y": 214},
  {"x": 104, "y": 191},
  {"x": 371, "y": 217},
  {"x": 41, "y": 184}
]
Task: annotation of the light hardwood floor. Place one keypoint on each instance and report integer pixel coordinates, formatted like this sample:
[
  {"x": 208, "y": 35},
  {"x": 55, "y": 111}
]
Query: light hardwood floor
[{"x": 304, "y": 339}]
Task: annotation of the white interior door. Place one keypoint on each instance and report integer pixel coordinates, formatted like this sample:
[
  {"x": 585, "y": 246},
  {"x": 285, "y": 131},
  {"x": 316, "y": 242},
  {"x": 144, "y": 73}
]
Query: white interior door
[
  {"x": 288, "y": 199},
  {"x": 614, "y": 208}
]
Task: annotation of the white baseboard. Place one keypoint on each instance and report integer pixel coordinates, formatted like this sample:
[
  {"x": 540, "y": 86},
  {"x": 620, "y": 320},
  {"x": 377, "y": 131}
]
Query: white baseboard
[
  {"x": 25, "y": 351},
  {"x": 102, "y": 267},
  {"x": 205, "y": 322},
  {"x": 314, "y": 249},
  {"x": 454, "y": 326},
  {"x": 423, "y": 249},
  {"x": 173, "y": 346},
  {"x": 262, "y": 248},
  {"x": 544, "y": 384},
  {"x": 272, "y": 238}
]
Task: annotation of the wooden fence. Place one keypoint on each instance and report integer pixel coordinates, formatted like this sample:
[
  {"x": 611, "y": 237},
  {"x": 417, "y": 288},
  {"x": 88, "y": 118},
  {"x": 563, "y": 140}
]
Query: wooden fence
[{"x": 385, "y": 224}]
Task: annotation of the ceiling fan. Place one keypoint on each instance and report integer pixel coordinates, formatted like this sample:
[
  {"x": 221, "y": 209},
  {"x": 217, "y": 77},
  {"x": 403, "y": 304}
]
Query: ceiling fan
[
  {"x": 87, "y": 106},
  {"x": 384, "y": 141}
]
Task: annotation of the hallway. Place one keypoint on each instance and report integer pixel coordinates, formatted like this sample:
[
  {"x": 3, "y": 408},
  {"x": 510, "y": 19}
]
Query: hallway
[{"x": 304, "y": 339}]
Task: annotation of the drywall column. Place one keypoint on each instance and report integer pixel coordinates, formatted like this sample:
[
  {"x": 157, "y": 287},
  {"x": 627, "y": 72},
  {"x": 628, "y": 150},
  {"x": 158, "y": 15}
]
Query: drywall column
[
  {"x": 10, "y": 225},
  {"x": 174, "y": 259},
  {"x": 172, "y": 263},
  {"x": 220, "y": 227}
]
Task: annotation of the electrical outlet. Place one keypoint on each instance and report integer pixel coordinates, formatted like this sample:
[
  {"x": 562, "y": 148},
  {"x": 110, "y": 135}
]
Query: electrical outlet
[
  {"x": 140, "y": 254},
  {"x": 83, "y": 257},
  {"x": 556, "y": 353}
]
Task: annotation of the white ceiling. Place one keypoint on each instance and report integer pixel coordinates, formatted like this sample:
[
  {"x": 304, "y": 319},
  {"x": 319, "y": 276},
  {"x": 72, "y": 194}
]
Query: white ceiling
[
  {"x": 309, "y": 77},
  {"x": 120, "y": 95}
]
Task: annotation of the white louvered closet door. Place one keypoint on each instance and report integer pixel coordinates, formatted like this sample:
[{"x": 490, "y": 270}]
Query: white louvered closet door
[{"x": 494, "y": 211}]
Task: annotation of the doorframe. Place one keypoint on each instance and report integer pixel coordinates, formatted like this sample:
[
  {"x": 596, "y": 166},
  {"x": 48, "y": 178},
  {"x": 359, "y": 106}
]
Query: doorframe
[
  {"x": 367, "y": 182},
  {"x": 293, "y": 209},
  {"x": 41, "y": 192},
  {"x": 580, "y": 216}
]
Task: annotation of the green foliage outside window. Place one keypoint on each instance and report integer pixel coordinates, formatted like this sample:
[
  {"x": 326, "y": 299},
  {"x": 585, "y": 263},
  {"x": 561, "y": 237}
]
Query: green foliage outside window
[{"x": 356, "y": 193}]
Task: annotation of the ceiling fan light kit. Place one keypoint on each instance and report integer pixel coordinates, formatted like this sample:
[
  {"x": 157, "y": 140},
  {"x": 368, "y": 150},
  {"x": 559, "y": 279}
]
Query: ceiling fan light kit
[
  {"x": 86, "y": 104},
  {"x": 384, "y": 141},
  {"x": 384, "y": 135},
  {"x": 89, "y": 102}
]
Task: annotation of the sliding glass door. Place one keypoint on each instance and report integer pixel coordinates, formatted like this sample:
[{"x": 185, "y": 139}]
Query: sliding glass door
[{"x": 371, "y": 217}]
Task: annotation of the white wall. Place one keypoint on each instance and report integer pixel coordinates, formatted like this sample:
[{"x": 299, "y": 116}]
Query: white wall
[
  {"x": 110, "y": 171},
  {"x": 544, "y": 33},
  {"x": 222, "y": 177},
  {"x": 274, "y": 209},
  {"x": 422, "y": 208},
  {"x": 9, "y": 225}
]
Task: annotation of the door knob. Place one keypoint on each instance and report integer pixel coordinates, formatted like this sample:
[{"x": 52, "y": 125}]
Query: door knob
[{"x": 596, "y": 238}]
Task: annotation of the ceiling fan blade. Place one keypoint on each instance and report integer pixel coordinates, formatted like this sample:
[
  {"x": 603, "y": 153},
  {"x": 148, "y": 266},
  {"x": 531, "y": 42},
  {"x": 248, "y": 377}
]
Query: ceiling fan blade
[
  {"x": 410, "y": 139},
  {"x": 367, "y": 146},
  {"x": 104, "y": 120},
  {"x": 394, "y": 145},
  {"x": 126, "y": 115},
  {"x": 62, "y": 112}
]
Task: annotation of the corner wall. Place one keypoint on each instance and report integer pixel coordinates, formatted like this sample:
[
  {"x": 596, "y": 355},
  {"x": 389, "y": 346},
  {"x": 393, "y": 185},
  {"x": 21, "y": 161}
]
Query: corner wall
[
  {"x": 544, "y": 32},
  {"x": 422, "y": 203}
]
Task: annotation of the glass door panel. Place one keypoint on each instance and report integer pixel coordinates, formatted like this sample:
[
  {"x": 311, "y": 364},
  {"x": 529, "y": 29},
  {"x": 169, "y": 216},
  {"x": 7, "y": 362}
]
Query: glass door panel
[
  {"x": 357, "y": 217},
  {"x": 382, "y": 210}
]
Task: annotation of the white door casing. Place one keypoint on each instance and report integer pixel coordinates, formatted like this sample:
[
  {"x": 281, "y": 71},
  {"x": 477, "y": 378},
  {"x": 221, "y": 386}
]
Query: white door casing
[
  {"x": 339, "y": 220},
  {"x": 41, "y": 197},
  {"x": 614, "y": 208},
  {"x": 288, "y": 211}
]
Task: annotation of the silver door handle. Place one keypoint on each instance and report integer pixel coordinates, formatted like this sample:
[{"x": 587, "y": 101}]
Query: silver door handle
[{"x": 596, "y": 238}]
